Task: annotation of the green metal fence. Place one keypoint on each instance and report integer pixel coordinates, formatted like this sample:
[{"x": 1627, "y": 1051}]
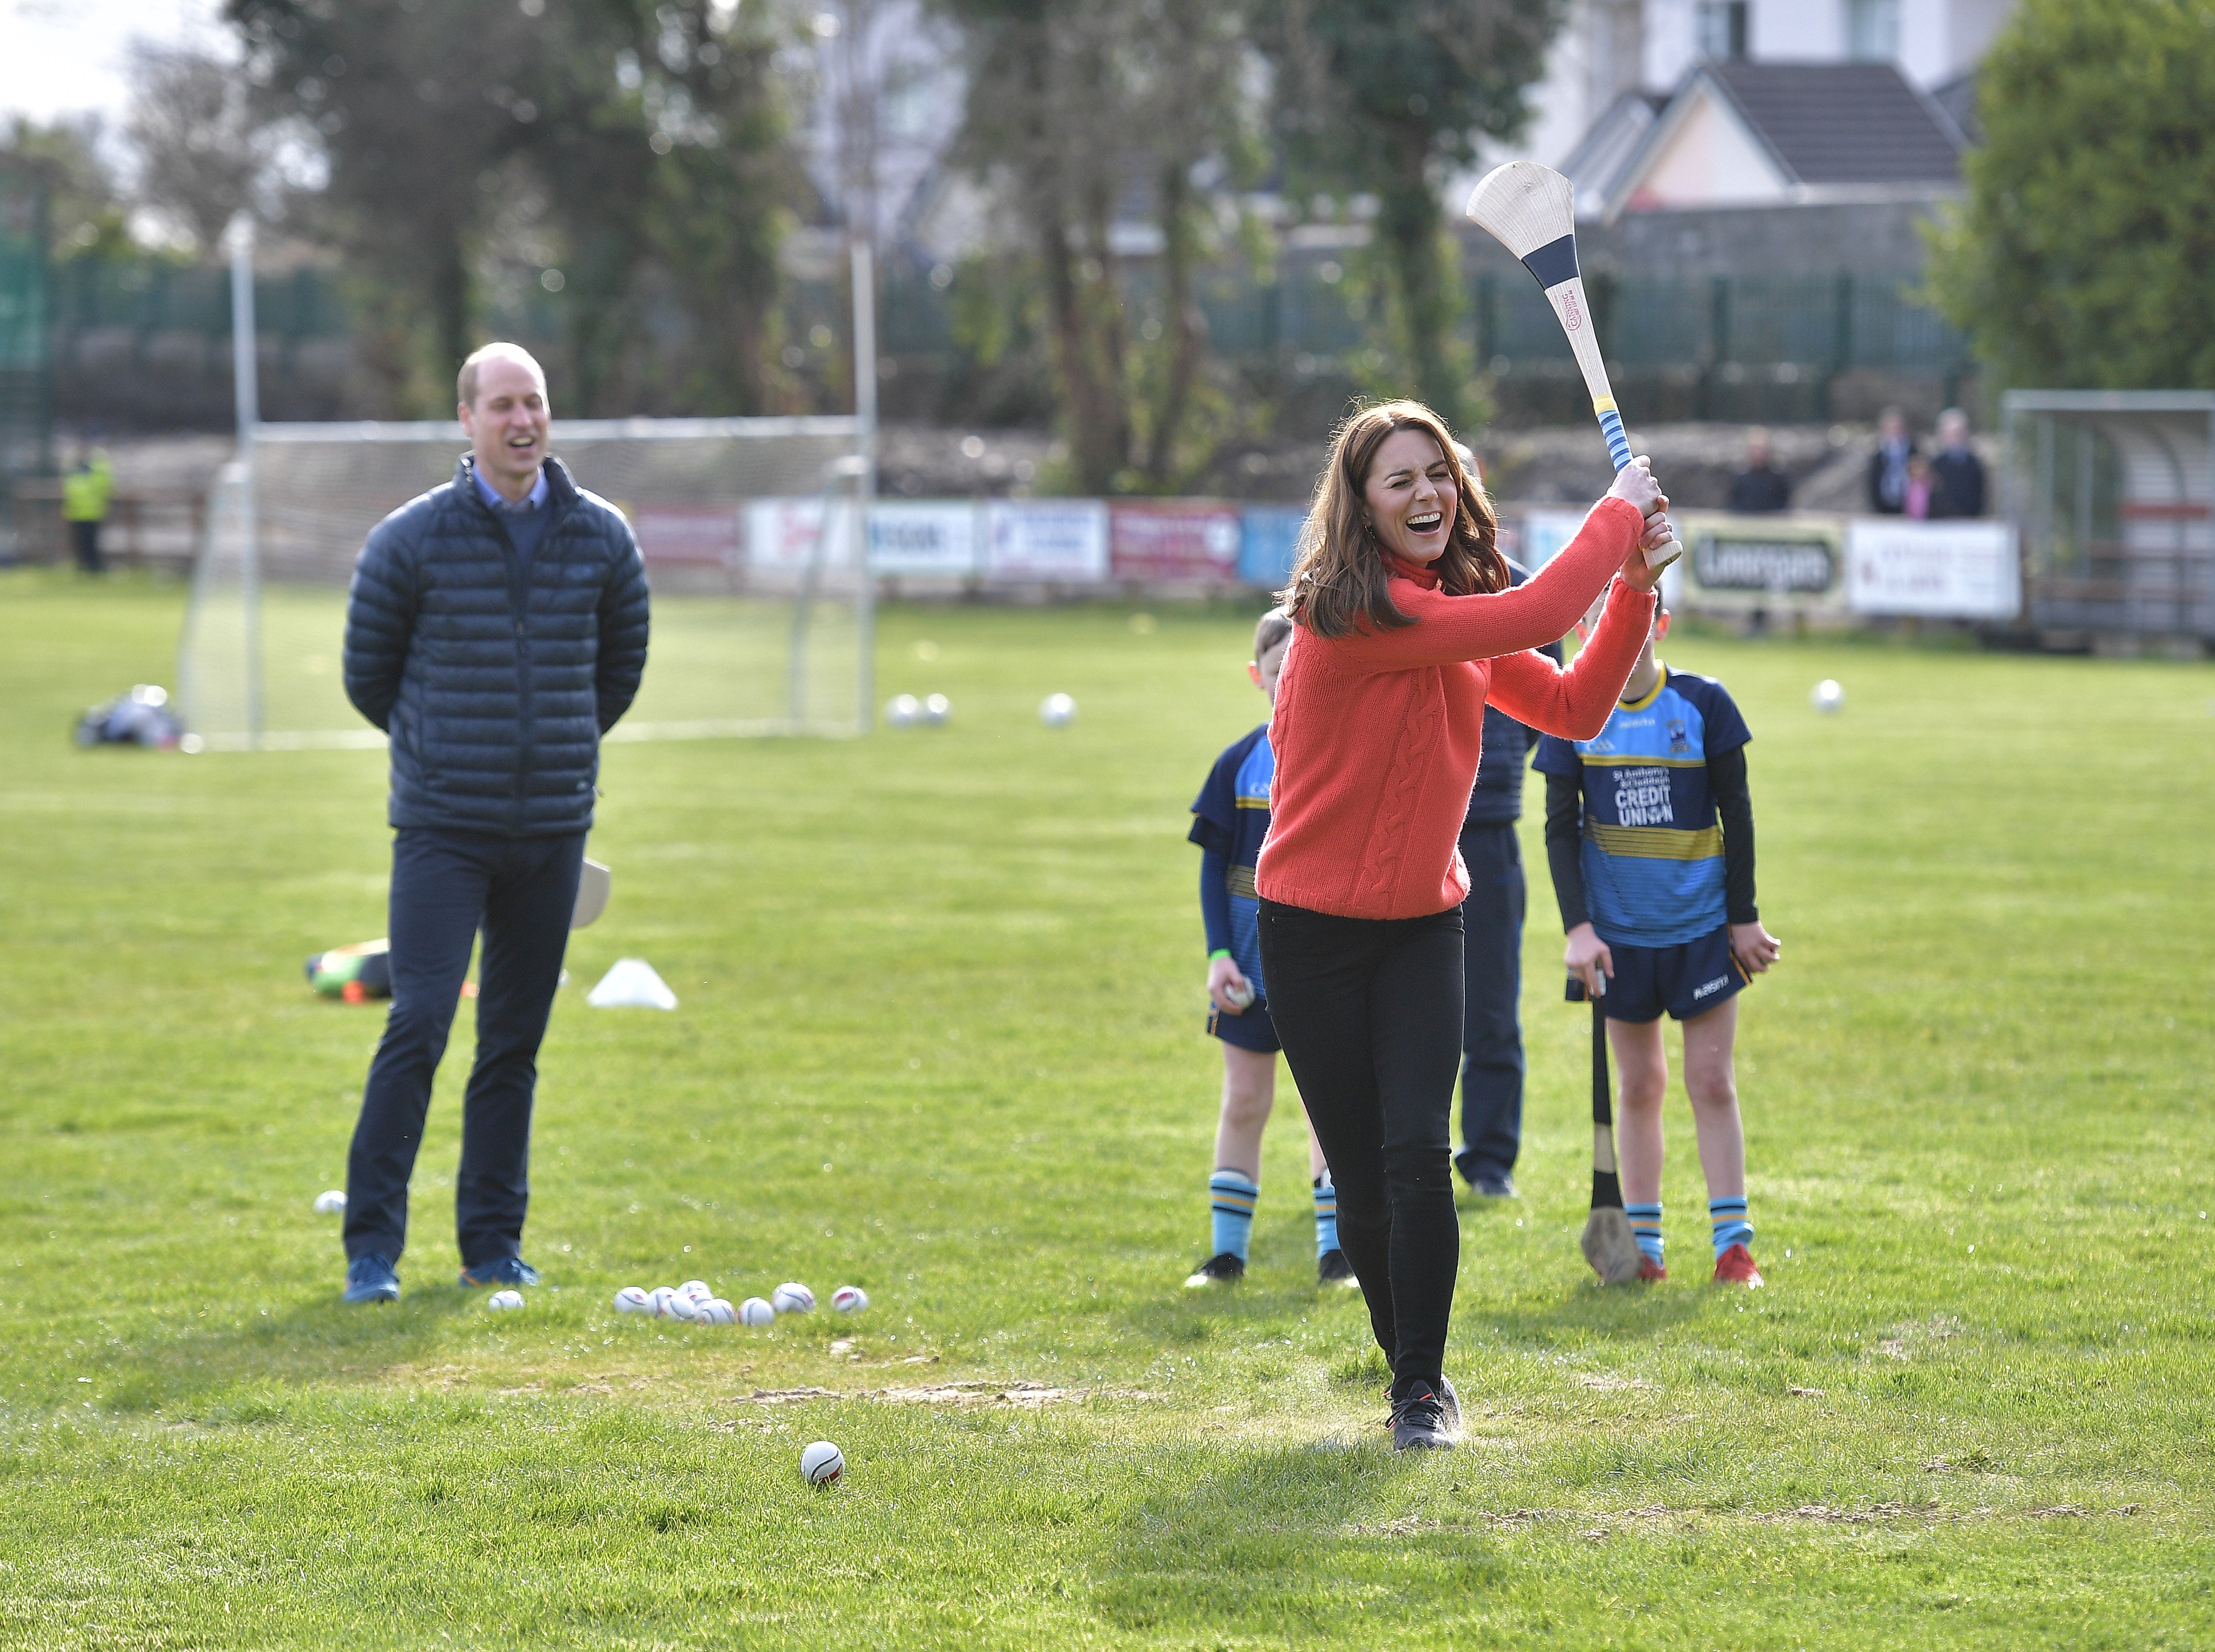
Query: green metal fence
[{"x": 26, "y": 391}]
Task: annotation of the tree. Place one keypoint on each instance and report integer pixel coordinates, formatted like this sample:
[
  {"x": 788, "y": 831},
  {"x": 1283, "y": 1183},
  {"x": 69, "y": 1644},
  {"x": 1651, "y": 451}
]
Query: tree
[
  {"x": 2082, "y": 256},
  {"x": 85, "y": 210},
  {"x": 1381, "y": 97},
  {"x": 202, "y": 153},
  {"x": 637, "y": 140},
  {"x": 1077, "y": 110}
]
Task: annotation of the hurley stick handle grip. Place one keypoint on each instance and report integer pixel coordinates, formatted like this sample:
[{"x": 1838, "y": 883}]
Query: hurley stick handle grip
[{"x": 1618, "y": 450}]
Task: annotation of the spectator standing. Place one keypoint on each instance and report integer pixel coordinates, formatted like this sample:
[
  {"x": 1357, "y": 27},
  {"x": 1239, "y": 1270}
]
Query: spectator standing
[
  {"x": 1960, "y": 473},
  {"x": 1761, "y": 487},
  {"x": 1921, "y": 489},
  {"x": 496, "y": 629},
  {"x": 1492, "y": 952},
  {"x": 1887, "y": 471},
  {"x": 86, "y": 492}
]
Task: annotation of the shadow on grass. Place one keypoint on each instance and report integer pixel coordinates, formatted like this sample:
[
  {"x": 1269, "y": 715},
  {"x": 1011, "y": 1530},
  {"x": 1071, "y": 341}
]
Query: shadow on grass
[
  {"x": 219, "y": 1369},
  {"x": 1283, "y": 1542}
]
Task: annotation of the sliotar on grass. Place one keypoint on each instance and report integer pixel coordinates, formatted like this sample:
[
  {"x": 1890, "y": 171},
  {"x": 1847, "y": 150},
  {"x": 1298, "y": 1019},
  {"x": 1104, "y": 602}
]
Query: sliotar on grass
[{"x": 941, "y": 1037}]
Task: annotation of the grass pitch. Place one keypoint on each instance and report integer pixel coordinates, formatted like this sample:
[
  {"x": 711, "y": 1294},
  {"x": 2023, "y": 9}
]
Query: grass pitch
[{"x": 941, "y": 1036}]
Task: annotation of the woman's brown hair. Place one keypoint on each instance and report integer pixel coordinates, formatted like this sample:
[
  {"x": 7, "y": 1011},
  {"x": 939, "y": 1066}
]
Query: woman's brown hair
[{"x": 1338, "y": 581}]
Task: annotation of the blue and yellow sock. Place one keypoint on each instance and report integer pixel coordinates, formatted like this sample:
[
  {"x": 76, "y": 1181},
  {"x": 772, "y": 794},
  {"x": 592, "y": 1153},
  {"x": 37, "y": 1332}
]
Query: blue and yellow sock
[
  {"x": 1231, "y": 1197},
  {"x": 1646, "y": 1228},
  {"x": 1326, "y": 1198},
  {"x": 1728, "y": 1217}
]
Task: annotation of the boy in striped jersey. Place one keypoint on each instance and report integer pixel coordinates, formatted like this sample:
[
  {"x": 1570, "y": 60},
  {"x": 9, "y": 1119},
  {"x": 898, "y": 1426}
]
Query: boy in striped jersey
[
  {"x": 1649, "y": 836},
  {"x": 1230, "y": 818}
]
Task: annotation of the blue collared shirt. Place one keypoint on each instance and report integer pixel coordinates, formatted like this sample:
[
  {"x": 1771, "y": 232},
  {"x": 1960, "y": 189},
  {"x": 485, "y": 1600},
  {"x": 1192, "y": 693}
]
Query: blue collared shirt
[
  {"x": 526, "y": 523},
  {"x": 490, "y": 494}
]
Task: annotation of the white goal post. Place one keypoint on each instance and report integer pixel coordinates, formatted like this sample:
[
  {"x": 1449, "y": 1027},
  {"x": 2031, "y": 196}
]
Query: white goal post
[{"x": 762, "y": 620}]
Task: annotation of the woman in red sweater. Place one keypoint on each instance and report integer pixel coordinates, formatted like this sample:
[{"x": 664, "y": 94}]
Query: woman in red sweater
[{"x": 1406, "y": 625}]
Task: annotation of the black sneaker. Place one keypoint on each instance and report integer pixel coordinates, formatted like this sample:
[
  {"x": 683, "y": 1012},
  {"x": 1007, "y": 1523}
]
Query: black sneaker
[
  {"x": 1419, "y": 1421},
  {"x": 371, "y": 1278},
  {"x": 1332, "y": 1268},
  {"x": 1223, "y": 1268},
  {"x": 1449, "y": 1404}
]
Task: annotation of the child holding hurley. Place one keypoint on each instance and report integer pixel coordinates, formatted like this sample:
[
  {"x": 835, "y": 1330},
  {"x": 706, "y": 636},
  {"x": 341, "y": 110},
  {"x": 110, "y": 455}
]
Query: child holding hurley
[{"x": 1404, "y": 625}]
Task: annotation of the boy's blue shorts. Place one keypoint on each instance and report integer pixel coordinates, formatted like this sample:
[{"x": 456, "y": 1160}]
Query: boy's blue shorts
[
  {"x": 1253, "y": 1030},
  {"x": 1688, "y": 980}
]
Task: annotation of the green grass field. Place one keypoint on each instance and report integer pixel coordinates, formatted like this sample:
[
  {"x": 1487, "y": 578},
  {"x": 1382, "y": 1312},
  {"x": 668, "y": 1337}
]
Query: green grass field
[{"x": 941, "y": 1036}]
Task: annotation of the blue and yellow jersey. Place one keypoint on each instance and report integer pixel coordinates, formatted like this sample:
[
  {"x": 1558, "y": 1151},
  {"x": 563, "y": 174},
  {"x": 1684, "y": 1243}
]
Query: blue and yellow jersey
[
  {"x": 1652, "y": 851},
  {"x": 1231, "y": 817}
]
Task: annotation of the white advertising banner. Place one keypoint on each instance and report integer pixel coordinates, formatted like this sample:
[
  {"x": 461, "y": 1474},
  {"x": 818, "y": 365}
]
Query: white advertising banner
[
  {"x": 1063, "y": 541},
  {"x": 782, "y": 535},
  {"x": 925, "y": 538},
  {"x": 1943, "y": 570}
]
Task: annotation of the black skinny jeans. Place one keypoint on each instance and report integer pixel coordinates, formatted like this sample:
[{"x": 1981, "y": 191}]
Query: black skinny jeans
[{"x": 1369, "y": 1014}]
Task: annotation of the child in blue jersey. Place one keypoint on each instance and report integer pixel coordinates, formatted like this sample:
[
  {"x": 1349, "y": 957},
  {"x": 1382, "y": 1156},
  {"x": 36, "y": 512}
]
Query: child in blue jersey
[
  {"x": 1649, "y": 836},
  {"x": 1230, "y": 818}
]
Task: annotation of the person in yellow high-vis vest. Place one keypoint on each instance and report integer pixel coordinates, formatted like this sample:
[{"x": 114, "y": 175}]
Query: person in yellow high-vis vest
[{"x": 85, "y": 493}]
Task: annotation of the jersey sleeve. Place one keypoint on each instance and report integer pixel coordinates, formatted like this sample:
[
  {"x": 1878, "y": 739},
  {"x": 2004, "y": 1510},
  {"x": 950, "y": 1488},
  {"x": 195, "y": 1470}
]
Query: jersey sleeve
[
  {"x": 1215, "y": 811},
  {"x": 1558, "y": 756},
  {"x": 1726, "y": 730}
]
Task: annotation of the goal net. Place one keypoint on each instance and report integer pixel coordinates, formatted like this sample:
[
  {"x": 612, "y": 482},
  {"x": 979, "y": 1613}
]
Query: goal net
[{"x": 750, "y": 530}]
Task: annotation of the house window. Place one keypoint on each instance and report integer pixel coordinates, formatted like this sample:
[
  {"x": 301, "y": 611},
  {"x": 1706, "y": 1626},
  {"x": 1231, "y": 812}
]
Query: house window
[
  {"x": 1722, "y": 29},
  {"x": 1873, "y": 30}
]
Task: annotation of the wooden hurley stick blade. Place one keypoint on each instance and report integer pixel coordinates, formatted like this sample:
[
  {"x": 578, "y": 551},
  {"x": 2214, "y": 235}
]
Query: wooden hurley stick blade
[{"x": 1610, "y": 1246}]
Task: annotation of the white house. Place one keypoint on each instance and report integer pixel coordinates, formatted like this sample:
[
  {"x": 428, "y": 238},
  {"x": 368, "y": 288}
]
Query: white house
[{"x": 1671, "y": 104}]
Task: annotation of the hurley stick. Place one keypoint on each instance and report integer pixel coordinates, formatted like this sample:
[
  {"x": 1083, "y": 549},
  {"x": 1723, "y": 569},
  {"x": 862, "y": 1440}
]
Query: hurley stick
[{"x": 1532, "y": 211}]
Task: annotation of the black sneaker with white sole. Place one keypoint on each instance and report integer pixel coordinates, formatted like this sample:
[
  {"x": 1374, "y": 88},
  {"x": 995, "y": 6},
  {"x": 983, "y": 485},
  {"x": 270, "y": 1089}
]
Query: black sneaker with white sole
[
  {"x": 1222, "y": 1268},
  {"x": 1419, "y": 1417},
  {"x": 1332, "y": 1268}
]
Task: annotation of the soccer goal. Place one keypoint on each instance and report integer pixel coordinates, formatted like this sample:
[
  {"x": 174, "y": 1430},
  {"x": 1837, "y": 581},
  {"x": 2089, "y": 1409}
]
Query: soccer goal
[{"x": 751, "y": 530}]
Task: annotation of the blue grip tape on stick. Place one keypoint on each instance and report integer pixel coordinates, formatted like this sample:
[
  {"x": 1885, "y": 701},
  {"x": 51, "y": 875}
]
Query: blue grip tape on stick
[{"x": 1618, "y": 445}]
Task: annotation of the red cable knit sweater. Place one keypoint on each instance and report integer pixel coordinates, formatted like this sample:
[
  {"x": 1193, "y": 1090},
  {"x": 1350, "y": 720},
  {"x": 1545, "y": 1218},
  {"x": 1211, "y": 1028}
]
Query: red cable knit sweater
[{"x": 1378, "y": 733}]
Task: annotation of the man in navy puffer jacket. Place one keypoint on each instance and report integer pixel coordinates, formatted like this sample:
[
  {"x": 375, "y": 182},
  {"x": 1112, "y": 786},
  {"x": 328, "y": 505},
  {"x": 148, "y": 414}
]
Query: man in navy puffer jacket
[{"x": 495, "y": 629}]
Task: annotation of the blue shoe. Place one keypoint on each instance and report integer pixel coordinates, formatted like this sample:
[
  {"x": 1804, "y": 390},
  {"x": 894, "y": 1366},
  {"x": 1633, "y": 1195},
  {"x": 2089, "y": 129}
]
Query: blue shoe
[
  {"x": 508, "y": 1270},
  {"x": 370, "y": 1279}
]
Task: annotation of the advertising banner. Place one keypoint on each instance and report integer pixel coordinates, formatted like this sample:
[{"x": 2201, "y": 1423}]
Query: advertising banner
[
  {"x": 1194, "y": 540},
  {"x": 1058, "y": 541},
  {"x": 1946, "y": 570},
  {"x": 785, "y": 536},
  {"x": 687, "y": 535},
  {"x": 1780, "y": 565},
  {"x": 926, "y": 538},
  {"x": 1268, "y": 541}
]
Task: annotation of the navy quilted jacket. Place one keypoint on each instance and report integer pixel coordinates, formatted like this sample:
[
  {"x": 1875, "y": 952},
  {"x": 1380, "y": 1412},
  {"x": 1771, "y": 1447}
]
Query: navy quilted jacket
[{"x": 495, "y": 690}]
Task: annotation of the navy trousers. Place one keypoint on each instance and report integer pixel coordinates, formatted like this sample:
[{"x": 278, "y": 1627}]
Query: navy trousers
[
  {"x": 1491, "y": 1029},
  {"x": 446, "y": 887}
]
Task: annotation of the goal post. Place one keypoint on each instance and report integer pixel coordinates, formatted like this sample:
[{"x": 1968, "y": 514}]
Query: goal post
[{"x": 750, "y": 528}]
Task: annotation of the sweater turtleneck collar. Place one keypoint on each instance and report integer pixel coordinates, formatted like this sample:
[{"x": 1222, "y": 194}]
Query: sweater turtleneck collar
[{"x": 1422, "y": 573}]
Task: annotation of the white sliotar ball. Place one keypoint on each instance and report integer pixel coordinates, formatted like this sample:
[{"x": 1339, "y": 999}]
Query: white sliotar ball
[
  {"x": 1241, "y": 995},
  {"x": 632, "y": 1298},
  {"x": 822, "y": 1463},
  {"x": 902, "y": 710},
  {"x": 697, "y": 1289},
  {"x": 792, "y": 1297},
  {"x": 330, "y": 1204},
  {"x": 660, "y": 1296},
  {"x": 715, "y": 1311},
  {"x": 501, "y": 1301},
  {"x": 1827, "y": 697},
  {"x": 850, "y": 1299},
  {"x": 681, "y": 1306},
  {"x": 937, "y": 709},
  {"x": 755, "y": 1311},
  {"x": 1056, "y": 711}
]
